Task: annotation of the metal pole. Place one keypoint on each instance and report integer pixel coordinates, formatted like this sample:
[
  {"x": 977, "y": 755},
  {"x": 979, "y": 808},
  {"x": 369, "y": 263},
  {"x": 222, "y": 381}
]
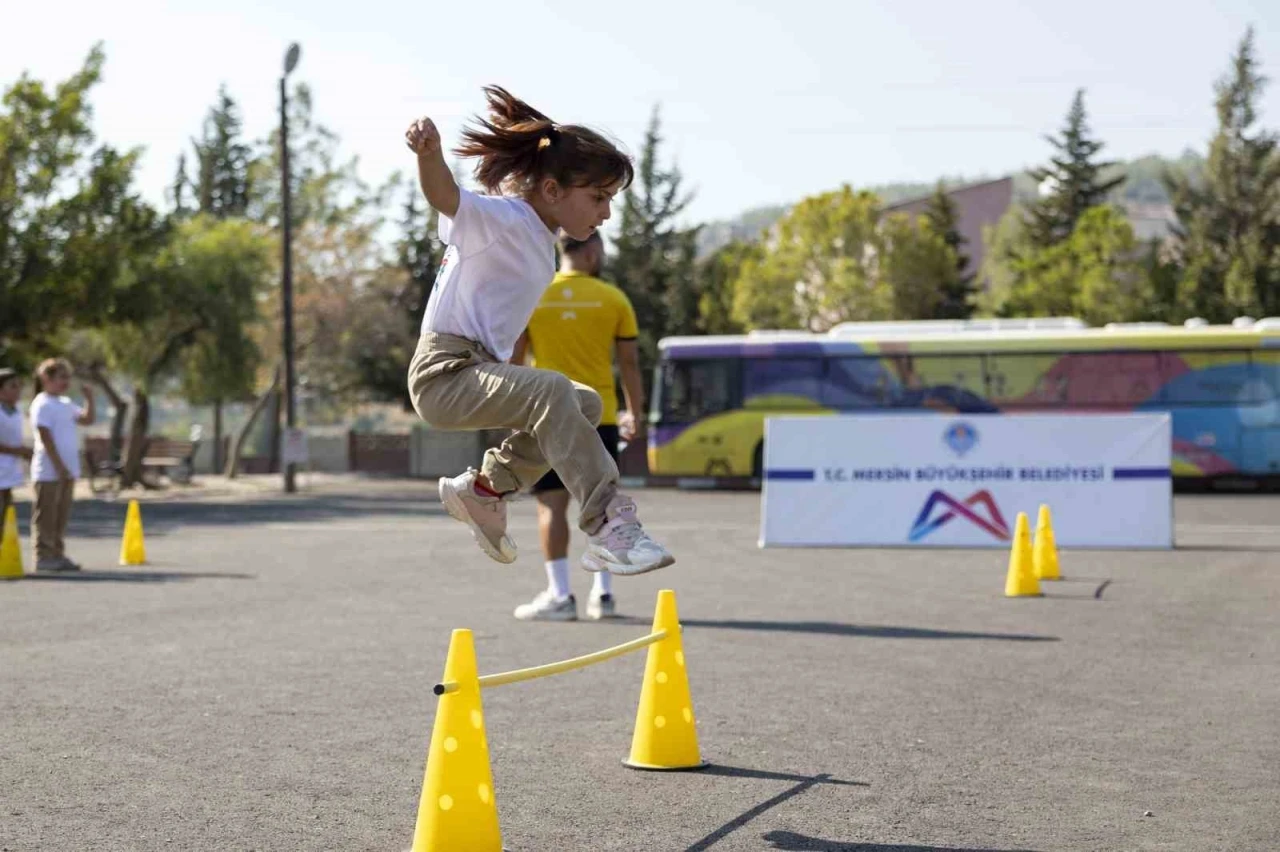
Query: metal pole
[{"x": 286, "y": 287}]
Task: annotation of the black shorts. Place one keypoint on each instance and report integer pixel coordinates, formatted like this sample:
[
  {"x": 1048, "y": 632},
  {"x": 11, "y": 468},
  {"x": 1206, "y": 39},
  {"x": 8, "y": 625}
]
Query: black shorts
[{"x": 551, "y": 482}]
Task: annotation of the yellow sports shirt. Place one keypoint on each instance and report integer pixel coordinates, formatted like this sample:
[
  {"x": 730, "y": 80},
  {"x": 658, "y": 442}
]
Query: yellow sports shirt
[{"x": 573, "y": 329}]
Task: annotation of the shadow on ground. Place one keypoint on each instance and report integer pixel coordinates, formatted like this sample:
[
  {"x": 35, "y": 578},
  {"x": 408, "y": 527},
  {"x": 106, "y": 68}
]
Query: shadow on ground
[
  {"x": 793, "y": 842},
  {"x": 803, "y": 783},
  {"x": 135, "y": 577},
  {"x": 833, "y": 628},
  {"x": 105, "y": 518}
]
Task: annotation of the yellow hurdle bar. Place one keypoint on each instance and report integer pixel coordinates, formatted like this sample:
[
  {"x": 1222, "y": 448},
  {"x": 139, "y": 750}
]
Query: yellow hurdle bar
[{"x": 556, "y": 668}]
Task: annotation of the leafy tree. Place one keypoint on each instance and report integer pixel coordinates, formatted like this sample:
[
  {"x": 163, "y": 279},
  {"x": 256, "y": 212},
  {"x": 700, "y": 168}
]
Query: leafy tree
[
  {"x": 916, "y": 265},
  {"x": 716, "y": 276},
  {"x": 1230, "y": 221},
  {"x": 72, "y": 227},
  {"x": 819, "y": 268},
  {"x": 1097, "y": 274},
  {"x": 205, "y": 285}
]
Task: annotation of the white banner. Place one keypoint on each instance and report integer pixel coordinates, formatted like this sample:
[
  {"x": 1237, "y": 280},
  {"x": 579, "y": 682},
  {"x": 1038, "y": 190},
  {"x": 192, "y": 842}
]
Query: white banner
[{"x": 928, "y": 480}]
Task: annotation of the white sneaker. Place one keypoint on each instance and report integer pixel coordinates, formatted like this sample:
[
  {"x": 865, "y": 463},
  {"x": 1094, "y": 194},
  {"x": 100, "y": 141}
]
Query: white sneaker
[
  {"x": 547, "y": 607},
  {"x": 486, "y": 515},
  {"x": 622, "y": 546},
  {"x": 601, "y": 606}
]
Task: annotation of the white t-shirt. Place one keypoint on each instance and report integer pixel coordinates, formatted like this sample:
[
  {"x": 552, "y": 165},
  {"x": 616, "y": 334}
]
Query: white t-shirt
[
  {"x": 58, "y": 414},
  {"x": 500, "y": 259},
  {"x": 10, "y": 436}
]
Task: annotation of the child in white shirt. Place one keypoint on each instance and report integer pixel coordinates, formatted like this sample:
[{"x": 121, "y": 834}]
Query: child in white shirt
[
  {"x": 542, "y": 178},
  {"x": 12, "y": 451},
  {"x": 55, "y": 464}
]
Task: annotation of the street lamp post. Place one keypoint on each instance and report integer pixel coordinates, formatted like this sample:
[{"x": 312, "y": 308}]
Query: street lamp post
[{"x": 286, "y": 288}]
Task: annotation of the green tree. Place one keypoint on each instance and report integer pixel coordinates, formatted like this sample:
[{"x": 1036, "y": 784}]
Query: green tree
[
  {"x": 205, "y": 285},
  {"x": 916, "y": 265},
  {"x": 1230, "y": 221},
  {"x": 225, "y": 161},
  {"x": 820, "y": 267},
  {"x": 956, "y": 288},
  {"x": 716, "y": 276},
  {"x": 220, "y": 366},
  {"x": 653, "y": 257},
  {"x": 1097, "y": 274},
  {"x": 324, "y": 188},
  {"x": 1072, "y": 182},
  {"x": 71, "y": 225}
]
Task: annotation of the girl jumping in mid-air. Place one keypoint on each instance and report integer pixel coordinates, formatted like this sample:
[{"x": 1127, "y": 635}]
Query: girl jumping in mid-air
[{"x": 541, "y": 178}]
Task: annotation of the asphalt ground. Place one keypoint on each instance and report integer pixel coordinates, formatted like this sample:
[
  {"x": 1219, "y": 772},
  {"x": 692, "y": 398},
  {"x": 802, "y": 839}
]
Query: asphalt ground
[{"x": 264, "y": 683}]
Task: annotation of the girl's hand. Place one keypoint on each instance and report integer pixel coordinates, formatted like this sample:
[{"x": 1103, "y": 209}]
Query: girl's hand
[{"x": 422, "y": 137}]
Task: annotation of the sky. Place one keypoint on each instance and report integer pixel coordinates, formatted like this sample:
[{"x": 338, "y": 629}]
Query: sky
[{"x": 761, "y": 103}]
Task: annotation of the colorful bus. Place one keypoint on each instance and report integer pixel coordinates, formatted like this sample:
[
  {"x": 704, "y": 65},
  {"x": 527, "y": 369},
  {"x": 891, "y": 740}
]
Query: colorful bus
[{"x": 712, "y": 394}]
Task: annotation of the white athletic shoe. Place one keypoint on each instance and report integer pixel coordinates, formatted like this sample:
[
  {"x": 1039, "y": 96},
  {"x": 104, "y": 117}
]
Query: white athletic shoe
[
  {"x": 486, "y": 515},
  {"x": 601, "y": 606},
  {"x": 546, "y": 607},
  {"x": 622, "y": 546}
]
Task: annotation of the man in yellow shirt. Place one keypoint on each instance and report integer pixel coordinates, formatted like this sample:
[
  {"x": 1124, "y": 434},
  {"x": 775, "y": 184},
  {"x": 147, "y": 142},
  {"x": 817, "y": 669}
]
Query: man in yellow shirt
[{"x": 576, "y": 329}]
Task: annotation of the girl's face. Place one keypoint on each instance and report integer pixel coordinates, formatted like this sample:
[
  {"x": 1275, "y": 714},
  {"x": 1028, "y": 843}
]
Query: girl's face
[
  {"x": 56, "y": 382},
  {"x": 10, "y": 391},
  {"x": 579, "y": 210}
]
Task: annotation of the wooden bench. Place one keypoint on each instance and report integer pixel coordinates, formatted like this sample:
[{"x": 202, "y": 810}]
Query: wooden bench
[{"x": 164, "y": 453}]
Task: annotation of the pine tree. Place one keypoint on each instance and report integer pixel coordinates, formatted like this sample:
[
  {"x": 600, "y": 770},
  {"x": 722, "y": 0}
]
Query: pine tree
[
  {"x": 654, "y": 257},
  {"x": 181, "y": 185},
  {"x": 1072, "y": 182},
  {"x": 222, "y": 187},
  {"x": 957, "y": 289},
  {"x": 1230, "y": 221}
]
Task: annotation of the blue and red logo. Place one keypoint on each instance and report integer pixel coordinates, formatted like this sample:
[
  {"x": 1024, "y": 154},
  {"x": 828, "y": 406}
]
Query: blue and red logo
[{"x": 979, "y": 509}]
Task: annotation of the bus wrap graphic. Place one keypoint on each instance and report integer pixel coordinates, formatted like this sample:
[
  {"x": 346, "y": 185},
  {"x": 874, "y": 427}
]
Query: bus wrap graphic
[{"x": 952, "y": 509}]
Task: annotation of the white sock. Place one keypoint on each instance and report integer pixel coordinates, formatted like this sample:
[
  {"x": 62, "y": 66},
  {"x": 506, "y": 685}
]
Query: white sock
[
  {"x": 602, "y": 584},
  {"x": 558, "y": 577}
]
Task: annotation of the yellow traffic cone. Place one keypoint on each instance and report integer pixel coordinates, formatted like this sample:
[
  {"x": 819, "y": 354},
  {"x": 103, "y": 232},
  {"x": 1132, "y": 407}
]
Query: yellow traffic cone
[
  {"x": 666, "y": 735},
  {"x": 10, "y": 549},
  {"x": 1045, "y": 552},
  {"x": 457, "y": 809},
  {"x": 132, "y": 549},
  {"x": 1021, "y": 580}
]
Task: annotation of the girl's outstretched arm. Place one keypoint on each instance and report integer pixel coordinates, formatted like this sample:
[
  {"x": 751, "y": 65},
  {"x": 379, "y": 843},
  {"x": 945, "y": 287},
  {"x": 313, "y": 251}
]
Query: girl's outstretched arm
[{"x": 437, "y": 181}]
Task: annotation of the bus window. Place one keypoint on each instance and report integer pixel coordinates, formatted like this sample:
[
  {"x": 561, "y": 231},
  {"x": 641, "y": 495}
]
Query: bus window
[
  {"x": 1212, "y": 378},
  {"x": 1113, "y": 379},
  {"x": 856, "y": 382},
  {"x": 1023, "y": 379},
  {"x": 946, "y": 382},
  {"x": 696, "y": 388},
  {"x": 770, "y": 382}
]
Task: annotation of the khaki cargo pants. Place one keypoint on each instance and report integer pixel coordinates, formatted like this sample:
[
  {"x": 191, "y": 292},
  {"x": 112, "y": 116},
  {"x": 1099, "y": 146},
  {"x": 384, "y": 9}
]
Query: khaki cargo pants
[
  {"x": 49, "y": 516},
  {"x": 456, "y": 385}
]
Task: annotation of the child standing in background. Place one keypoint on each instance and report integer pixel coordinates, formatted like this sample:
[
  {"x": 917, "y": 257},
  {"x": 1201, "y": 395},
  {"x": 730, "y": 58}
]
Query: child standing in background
[
  {"x": 12, "y": 450},
  {"x": 55, "y": 464}
]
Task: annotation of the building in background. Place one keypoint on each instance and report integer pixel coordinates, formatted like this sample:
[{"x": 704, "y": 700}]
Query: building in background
[{"x": 978, "y": 205}]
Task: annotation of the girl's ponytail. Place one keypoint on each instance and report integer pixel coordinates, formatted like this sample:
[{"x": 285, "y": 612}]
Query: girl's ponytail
[{"x": 518, "y": 145}]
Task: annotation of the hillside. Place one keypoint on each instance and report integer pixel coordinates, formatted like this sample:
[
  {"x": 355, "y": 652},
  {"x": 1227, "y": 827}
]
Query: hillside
[{"x": 1142, "y": 185}]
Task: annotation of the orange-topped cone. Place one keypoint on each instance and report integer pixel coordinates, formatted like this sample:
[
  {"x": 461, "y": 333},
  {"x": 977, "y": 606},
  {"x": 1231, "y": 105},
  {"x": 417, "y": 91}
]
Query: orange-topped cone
[
  {"x": 666, "y": 735},
  {"x": 1021, "y": 580},
  {"x": 457, "y": 810},
  {"x": 1045, "y": 551}
]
